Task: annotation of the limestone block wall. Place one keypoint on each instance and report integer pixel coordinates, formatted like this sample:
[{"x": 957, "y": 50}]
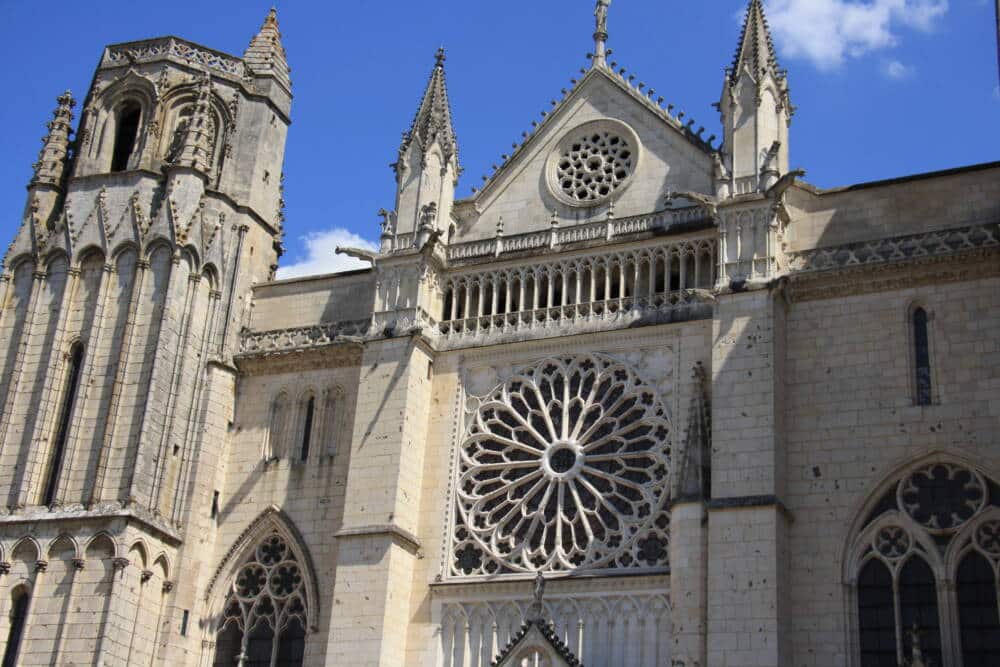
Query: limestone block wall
[
  {"x": 263, "y": 469},
  {"x": 852, "y": 419},
  {"x": 97, "y": 588}
]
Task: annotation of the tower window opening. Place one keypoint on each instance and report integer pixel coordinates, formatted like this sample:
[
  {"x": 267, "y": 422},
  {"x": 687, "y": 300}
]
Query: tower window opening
[
  {"x": 307, "y": 428},
  {"x": 215, "y": 505},
  {"x": 69, "y": 398},
  {"x": 922, "y": 357},
  {"x": 126, "y": 133},
  {"x": 18, "y": 616}
]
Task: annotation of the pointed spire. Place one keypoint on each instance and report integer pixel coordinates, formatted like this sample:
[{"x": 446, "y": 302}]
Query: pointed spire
[
  {"x": 433, "y": 120},
  {"x": 196, "y": 150},
  {"x": 51, "y": 166},
  {"x": 265, "y": 56},
  {"x": 601, "y": 33},
  {"x": 756, "y": 49}
]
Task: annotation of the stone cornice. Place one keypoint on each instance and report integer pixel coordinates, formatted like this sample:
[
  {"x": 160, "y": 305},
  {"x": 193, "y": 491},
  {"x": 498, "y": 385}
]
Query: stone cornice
[
  {"x": 407, "y": 539},
  {"x": 920, "y": 272},
  {"x": 519, "y": 585},
  {"x": 40, "y": 515}
]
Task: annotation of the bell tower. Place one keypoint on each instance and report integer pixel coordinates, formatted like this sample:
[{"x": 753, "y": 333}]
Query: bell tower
[{"x": 125, "y": 290}]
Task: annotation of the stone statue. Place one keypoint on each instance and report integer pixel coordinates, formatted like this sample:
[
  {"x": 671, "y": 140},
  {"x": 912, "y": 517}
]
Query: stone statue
[
  {"x": 918, "y": 652},
  {"x": 539, "y": 588},
  {"x": 602, "y": 16},
  {"x": 536, "y": 612}
]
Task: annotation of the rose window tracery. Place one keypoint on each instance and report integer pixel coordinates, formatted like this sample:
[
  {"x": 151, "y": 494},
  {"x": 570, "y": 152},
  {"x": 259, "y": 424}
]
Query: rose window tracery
[
  {"x": 942, "y": 497},
  {"x": 595, "y": 165},
  {"x": 593, "y": 162},
  {"x": 565, "y": 466},
  {"x": 893, "y": 542},
  {"x": 988, "y": 538}
]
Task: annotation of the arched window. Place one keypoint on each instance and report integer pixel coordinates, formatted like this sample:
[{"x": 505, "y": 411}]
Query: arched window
[
  {"x": 929, "y": 555},
  {"x": 918, "y": 610},
  {"x": 126, "y": 133},
  {"x": 331, "y": 421},
  {"x": 977, "y": 603},
  {"x": 62, "y": 432},
  {"x": 307, "y": 428},
  {"x": 877, "y": 616},
  {"x": 264, "y": 618},
  {"x": 18, "y": 617},
  {"x": 275, "y": 444},
  {"x": 921, "y": 357}
]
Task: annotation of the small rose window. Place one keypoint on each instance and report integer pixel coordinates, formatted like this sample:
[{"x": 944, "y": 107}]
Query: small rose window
[{"x": 593, "y": 162}]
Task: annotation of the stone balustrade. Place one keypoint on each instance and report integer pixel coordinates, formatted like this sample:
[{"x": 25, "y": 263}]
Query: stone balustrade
[{"x": 578, "y": 289}]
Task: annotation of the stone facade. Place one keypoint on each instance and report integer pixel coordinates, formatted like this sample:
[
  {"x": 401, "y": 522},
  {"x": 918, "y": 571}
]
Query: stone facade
[{"x": 731, "y": 419}]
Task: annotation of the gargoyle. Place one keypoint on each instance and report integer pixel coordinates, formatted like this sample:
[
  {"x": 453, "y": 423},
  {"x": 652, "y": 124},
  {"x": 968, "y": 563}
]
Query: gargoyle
[
  {"x": 433, "y": 238},
  {"x": 701, "y": 295},
  {"x": 708, "y": 202},
  {"x": 777, "y": 191},
  {"x": 358, "y": 253}
]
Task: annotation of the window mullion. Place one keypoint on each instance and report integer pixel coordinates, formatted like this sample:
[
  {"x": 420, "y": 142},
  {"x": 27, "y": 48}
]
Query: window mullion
[{"x": 897, "y": 612}]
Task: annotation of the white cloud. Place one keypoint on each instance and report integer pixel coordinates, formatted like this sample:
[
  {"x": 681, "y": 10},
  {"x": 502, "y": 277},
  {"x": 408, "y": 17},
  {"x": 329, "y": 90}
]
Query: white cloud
[
  {"x": 321, "y": 255},
  {"x": 828, "y": 32},
  {"x": 897, "y": 70}
]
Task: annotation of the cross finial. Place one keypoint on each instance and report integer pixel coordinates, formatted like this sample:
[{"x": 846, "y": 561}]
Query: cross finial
[
  {"x": 440, "y": 57},
  {"x": 601, "y": 33}
]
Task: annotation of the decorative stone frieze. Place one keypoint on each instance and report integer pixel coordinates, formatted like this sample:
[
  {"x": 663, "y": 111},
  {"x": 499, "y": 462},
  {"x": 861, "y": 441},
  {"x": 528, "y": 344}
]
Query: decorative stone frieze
[
  {"x": 172, "y": 47},
  {"x": 897, "y": 249},
  {"x": 300, "y": 338},
  {"x": 566, "y": 237}
]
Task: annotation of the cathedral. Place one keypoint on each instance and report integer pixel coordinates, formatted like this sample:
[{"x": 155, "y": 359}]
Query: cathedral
[{"x": 647, "y": 398}]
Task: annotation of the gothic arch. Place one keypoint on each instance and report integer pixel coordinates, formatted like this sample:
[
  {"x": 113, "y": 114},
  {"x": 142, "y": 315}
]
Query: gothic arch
[
  {"x": 121, "y": 249},
  {"x": 270, "y": 521},
  {"x": 52, "y": 258},
  {"x": 103, "y": 537},
  {"x": 930, "y": 510},
  {"x": 140, "y": 548},
  {"x": 12, "y": 264},
  {"x": 130, "y": 88},
  {"x": 163, "y": 563},
  {"x": 863, "y": 508},
  {"x": 18, "y": 551},
  {"x": 64, "y": 538},
  {"x": 176, "y": 106},
  {"x": 210, "y": 274}
]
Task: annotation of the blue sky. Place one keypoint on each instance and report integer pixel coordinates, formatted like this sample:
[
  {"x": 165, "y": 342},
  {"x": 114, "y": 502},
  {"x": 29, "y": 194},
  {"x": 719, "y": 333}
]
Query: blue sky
[{"x": 885, "y": 88}]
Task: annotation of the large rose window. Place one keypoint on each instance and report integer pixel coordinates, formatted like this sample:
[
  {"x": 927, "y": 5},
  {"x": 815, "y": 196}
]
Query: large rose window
[{"x": 565, "y": 466}]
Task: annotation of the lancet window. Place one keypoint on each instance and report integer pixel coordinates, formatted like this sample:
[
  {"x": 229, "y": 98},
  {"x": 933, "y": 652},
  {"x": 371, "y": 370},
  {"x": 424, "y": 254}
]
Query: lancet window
[
  {"x": 940, "y": 523},
  {"x": 62, "y": 429},
  {"x": 921, "y": 357},
  {"x": 265, "y": 615},
  {"x": 578, "y": 288},
  {"x": 18, "y": 619},
  {"x": 127, "y": 121}
]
